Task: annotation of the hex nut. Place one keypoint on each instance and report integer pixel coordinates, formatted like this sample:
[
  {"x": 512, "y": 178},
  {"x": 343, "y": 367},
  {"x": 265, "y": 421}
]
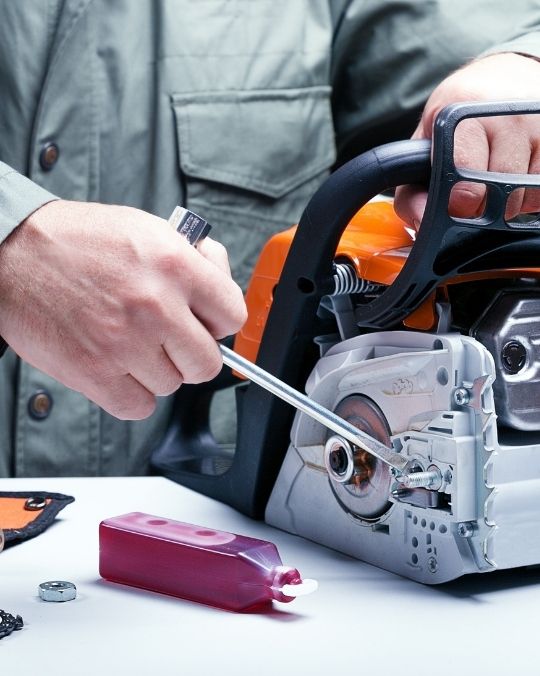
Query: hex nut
[{"x": 57, "y": 590}]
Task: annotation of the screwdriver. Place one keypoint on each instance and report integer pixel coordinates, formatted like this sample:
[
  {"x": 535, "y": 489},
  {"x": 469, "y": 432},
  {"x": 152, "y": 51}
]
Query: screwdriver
[{"x": 194, "y": 228}]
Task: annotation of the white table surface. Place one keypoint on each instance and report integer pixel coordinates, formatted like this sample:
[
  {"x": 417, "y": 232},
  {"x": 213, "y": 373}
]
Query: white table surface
[{"x": 362, "y": 620}]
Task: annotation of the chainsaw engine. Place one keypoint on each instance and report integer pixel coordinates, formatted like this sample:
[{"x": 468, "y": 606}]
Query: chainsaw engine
[
  {"x": 432, "y": 396},
  {"x": 426, "y": 342},
  {"x": 461, "y": 401},
  {"x": 454, "y": 388}
]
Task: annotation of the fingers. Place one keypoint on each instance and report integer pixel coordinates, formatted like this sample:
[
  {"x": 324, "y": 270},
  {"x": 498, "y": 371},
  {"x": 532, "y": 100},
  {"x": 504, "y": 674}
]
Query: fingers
[
  {"x": 216, "y": 253},
  {"x": 192, "y": 356},
  {"x": 501, "y": 145},
  {"x": 531, "y": 200},
  {"x": 194, "y": 351},
  {"x": 510, "y": 153},
  {"x": 169, "y": 338},
  {"x": 409, "y": 204},
  {"x": 471, "y": 151},
  {"x": 157, "y": 372},
  {"x": 131, "y": 315},
  {"x": 215, "y": 299},
  {"x": 506, "y": 144},
  {"x": 123, "y": 397}
]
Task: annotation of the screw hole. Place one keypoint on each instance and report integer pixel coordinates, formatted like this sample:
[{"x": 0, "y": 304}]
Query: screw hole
[
  {"x": 305, "y": 285},
  {"x": 442, "y": 376}
]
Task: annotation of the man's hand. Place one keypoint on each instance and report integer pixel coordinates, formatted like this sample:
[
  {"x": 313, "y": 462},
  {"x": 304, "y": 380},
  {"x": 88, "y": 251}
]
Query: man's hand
[
  {"x": 508, "y": 144},
  {"x": 112, "y": 302}
]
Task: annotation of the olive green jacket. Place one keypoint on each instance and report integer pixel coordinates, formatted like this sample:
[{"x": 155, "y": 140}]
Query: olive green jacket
[{"x": 234, "y": 108}]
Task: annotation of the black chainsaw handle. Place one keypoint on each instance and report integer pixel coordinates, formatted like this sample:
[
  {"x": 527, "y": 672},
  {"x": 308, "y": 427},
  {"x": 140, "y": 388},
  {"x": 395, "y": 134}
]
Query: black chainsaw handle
[
  {"x": 189, "y": 455},
  {"x": 447, "y": 246}
]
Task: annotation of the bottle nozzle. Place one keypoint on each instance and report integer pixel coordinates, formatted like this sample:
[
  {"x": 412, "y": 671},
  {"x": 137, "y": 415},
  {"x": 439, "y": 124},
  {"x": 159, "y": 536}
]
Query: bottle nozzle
[
  {"x": 300, "y": 588},
  {"x": 288, "y": 584}
]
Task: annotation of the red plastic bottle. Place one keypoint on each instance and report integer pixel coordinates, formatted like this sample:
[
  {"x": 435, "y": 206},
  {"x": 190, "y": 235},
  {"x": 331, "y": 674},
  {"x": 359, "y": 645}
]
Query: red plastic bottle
[{"x": 196, "y": 563}]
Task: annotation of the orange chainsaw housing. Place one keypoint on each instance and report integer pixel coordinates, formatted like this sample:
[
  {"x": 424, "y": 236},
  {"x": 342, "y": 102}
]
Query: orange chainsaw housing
[{"x": 376, "y": 242}]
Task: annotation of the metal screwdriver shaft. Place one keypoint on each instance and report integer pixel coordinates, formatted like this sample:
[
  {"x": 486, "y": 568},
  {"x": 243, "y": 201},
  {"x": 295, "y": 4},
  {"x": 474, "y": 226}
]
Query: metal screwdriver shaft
[
  {"x": 195, "y": 228},
  {"x": 313, "y": 409}
]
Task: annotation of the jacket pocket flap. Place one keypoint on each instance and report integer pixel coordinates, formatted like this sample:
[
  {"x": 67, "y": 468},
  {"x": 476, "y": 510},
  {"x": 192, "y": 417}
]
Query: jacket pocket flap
[{"x": 267, "y": 141}]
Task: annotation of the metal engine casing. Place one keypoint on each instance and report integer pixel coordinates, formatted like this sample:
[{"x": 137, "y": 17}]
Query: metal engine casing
[
  {"x": 490, "y": 515},
  {"x": 512, "y": 318}
]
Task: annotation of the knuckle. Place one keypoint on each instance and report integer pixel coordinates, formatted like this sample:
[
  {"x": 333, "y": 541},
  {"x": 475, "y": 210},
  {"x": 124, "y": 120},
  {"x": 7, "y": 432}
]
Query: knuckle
[
  {"x": 169, "y": 385},
  {"x": 96, "y": 366},
  {"x": 205, "y": 370},
  {"x": 220, "y": 250},
  {"x": 134, "y": 408},
  {"x": 167, "y": 262},
  {"x": 144, "y": 304},
  {"x": 467, "y": 199},
  {"x": 241, "y": 315},
  {"x": 110, "y": 337},
  {"x": 236, "y": 314},
  {"x": 125, "y": 401}
]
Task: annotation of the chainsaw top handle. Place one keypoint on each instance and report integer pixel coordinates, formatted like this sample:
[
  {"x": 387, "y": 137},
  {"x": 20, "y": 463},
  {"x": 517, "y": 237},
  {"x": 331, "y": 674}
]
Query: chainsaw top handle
[{"x": 445, "y": 246}]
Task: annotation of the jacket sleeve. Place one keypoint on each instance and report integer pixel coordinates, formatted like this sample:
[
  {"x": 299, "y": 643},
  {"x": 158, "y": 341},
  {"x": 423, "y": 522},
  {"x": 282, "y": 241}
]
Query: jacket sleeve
[
  {"x": 19, "y": 197},
  {"x": 527, "y": 44}
]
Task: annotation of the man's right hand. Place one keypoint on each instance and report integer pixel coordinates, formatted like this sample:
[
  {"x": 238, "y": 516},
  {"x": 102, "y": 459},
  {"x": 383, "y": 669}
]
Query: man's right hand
[{"x": 113, "y": 303}]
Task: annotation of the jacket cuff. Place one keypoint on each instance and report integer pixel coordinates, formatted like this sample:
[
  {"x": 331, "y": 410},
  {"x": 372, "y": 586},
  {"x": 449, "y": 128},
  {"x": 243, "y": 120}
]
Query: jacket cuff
[
  {"x": 19, "y": 197},
  {"x": 526, "y": 45}
]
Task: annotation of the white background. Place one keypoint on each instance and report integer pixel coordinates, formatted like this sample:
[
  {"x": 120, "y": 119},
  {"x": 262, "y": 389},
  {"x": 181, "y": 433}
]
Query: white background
[{"x": 362, "y": 620}]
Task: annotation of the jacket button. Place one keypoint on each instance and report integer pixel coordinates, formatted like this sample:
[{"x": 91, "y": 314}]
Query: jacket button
[
  {"x": 48, "y": 156},
  {"x": 40, "y": 404}
]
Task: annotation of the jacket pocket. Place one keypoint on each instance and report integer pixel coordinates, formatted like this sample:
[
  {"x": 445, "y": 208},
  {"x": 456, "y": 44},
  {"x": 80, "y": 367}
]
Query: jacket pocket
[{"x": 250, "y": 161}]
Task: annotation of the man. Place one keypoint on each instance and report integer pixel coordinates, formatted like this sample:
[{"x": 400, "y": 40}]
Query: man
[{"x": 234, "y": 108}]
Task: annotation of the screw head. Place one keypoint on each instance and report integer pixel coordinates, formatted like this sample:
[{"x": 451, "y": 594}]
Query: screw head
[
  {"x": 461, "y": 396},
  {"x": 465, "y": 529},
  {"x": 432, "y": 564}
]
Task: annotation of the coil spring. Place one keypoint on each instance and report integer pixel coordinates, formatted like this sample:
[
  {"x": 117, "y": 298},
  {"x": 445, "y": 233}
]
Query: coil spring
[{"x": 347, "y": 281}]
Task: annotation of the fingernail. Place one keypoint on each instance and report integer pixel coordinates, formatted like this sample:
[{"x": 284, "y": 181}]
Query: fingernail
[{"x": 416, "y": 224}]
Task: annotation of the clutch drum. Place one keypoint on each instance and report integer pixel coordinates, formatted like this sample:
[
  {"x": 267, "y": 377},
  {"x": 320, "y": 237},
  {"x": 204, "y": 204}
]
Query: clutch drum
[{"x": 360, "y": 481}]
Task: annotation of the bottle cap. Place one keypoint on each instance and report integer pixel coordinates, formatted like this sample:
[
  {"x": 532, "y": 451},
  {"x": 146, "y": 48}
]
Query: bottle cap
[{"x": 300, "y": 589}]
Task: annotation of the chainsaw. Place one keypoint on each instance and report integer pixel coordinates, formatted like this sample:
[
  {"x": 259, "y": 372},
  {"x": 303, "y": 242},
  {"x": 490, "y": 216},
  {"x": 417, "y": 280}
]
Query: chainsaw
[{"x": 426, "y": 343}]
